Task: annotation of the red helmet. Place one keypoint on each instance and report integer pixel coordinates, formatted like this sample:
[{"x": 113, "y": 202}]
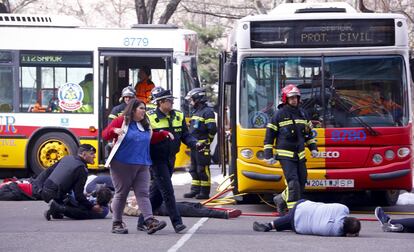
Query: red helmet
[{"x": 289, "y": 91}]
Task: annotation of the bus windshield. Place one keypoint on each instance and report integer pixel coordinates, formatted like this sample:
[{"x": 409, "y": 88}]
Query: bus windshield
[{"x": 336, "y": 92}]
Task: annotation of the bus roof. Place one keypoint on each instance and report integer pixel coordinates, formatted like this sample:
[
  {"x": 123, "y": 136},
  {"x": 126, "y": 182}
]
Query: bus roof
[
  {"x": 38, "y": 20},
  {"x": 314, "y": 11}
]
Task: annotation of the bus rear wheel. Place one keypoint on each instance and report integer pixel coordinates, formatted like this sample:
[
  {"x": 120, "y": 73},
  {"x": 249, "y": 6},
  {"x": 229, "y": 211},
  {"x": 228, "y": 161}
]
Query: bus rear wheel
[
  {"x": 385, "y": 198},
  {"x": 50, "y": 148}
]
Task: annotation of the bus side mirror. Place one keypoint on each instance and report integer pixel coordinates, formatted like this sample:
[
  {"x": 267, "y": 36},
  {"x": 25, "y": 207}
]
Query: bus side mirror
[{"x": 230, "y": 73}]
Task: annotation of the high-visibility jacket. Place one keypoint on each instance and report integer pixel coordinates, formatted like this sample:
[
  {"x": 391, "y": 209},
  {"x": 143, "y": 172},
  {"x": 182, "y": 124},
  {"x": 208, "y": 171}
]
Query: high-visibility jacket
[
  {"x": 143, "y": 89},
  {"x": 175, "y": 123},
  {"x": 292, "y": 131}
]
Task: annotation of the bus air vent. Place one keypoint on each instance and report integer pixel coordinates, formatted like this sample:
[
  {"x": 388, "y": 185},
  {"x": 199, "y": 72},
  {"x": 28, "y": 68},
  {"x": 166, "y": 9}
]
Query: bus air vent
[
  {"x": 38, "y": 20},
  {"x": 321, "y": 10}
]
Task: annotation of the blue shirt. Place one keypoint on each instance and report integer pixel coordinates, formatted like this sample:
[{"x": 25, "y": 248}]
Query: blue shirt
[
  {"x": 135, "y": 148},
  {"x": 316, "y": 218}
]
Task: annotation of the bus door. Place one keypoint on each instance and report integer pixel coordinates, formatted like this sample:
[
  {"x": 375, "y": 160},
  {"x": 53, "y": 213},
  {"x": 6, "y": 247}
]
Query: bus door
[
  {"x": 226, "y": 113},
  {"x": 119, "y": 69}
]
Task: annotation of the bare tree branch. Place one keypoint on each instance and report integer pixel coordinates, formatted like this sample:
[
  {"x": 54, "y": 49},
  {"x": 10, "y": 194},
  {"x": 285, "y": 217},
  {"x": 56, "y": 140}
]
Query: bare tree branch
[
  {"x": 169, "y": 11},
  {"x": 141, "y": 11},
  {"x": 214, "y": 14},
  {"x": 260, "y": 7},
  {"x": 20, "y": 5}
]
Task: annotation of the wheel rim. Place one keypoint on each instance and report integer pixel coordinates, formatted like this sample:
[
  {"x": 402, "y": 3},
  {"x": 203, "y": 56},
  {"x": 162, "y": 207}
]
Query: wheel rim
[{"x": 51, "y": 151}]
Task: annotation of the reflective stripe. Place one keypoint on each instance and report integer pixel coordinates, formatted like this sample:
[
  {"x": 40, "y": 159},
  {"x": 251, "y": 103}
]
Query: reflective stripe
[
  {"x": 291, "y": 204},
  {"x": 285, "y": 123},
  {"x": 268, "y": 146},
  {"x": 211, "y": 136},
  {"x": 311, "y": 141},
  {"x": 196, "y": 182},
  {"x": 301, "y": 155},
  {"x": 301, "y": 121},
  {"x": 210, "y": 120},
  {"x": 272, "y": 126},
  {"x": 198, "y": 118},
  {"x": 205, "y": 183},
  {"x": 207, "y": 171},
  {"x": 285, "y": 153},
  {"x": 111, "y": 116}
]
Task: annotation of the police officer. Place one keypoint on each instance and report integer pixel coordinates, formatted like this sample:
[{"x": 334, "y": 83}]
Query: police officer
[
  {"x": 165, "y": 118},
  {"x": 151, "y": 105},
  {"x": 127, "y": 94},
  {"x": 292, "y": 131},
  {"x": 203, "y": 127}
]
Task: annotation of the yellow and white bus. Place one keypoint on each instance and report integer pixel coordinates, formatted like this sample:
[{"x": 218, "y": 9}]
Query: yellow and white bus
[
  {"x": 353, "y": 72},
  {"x": 46, "y": 62}
]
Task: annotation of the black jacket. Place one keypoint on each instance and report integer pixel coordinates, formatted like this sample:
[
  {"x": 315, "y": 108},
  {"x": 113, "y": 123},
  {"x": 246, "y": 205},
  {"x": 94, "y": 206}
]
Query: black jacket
[
  {"x": 292, "y": 131},
  {"x": 69, "y": 175},
  {"x": 174, "y": 123},
  {"x": 203, "y": 123}
]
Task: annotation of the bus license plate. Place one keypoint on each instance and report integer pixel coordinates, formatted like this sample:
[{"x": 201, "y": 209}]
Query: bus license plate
[{"x": 347, "y": 183}]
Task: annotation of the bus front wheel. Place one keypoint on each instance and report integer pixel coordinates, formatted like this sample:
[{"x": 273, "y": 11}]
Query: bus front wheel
[
  {"x": 386, "y": 198},
  {"x": 50, "y": 148}
]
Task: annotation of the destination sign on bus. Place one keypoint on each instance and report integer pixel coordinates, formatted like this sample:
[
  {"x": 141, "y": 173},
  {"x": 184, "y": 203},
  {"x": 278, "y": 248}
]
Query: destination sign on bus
[
  {"x": 322, "y": 33},
  {"x": 56, "y": 59}
]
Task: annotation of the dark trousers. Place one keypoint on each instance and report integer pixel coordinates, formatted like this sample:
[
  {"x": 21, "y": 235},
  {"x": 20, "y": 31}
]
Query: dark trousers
[
  {"x": 79, "y": 213},
  {"x": 287, "y": 222},
  {"x": 191, "y": 209},
  {"x": 200, "y": 171},
  {"x": 408, "y": 224},
  {"x": 162, "y": 190},
  {"x": 296, "y": 177}
]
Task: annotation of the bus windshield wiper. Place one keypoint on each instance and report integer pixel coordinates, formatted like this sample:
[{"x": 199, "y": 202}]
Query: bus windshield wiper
[{"x": 358, "y": 118}]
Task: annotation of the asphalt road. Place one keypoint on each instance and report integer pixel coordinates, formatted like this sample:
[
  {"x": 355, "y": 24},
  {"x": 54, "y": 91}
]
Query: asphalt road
[{"x": 23, "y": 228}]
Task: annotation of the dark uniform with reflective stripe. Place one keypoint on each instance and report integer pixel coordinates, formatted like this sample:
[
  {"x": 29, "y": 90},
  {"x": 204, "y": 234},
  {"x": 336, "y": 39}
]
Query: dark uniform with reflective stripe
[
  {"x": 163, "y": 158},
  {"x": 203, "y": 127},
  {"x": 292, "y": 130},
  {"x": 116, "y": 111}
]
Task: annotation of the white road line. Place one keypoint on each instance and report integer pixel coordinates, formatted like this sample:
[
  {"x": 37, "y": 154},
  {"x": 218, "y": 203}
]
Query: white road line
[{"x": 188, "y": 235}]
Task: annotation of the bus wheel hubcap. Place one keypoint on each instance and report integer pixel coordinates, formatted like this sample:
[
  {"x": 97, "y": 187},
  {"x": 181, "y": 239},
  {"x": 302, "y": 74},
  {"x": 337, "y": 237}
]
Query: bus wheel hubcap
[{"x": 51, "y": 152}]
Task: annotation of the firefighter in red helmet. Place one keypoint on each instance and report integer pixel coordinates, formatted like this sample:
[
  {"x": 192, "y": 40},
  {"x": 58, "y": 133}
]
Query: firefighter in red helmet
[{"x": 292, "y": 131}]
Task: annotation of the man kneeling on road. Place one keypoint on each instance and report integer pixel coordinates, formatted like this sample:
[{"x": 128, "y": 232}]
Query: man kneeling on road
[
  {"x": 68, "y": 176},
  {"x": 314, "y": 218}
]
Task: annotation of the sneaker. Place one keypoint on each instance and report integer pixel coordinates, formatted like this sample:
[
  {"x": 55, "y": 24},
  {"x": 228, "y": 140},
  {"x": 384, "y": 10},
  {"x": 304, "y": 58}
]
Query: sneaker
[
  {"x": 233, "y": 213},
  {"x": 281, "y": 206},
  {"x": 381, "y": 216},
  {"x": 388, "y": 227},
  {"x": 261, "y": 227},
  {"x": 155, "y": 225},
  {"x": 179, "y": 227},
  {"x": 118, "y": 227}
]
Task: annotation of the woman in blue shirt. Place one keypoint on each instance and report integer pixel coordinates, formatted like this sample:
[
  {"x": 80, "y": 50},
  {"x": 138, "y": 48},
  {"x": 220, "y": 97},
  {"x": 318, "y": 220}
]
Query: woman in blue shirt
[{"x": 129, "y": 163}]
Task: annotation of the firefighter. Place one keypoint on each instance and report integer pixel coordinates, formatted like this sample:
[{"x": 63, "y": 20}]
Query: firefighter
[
  {"x": 292, "y": 131},
  {"x": 203, "y": 127},
  {"x": 165, "y": 118},
  {"x": 145, "y": 85},
  {"x": 127, "y": 94}
]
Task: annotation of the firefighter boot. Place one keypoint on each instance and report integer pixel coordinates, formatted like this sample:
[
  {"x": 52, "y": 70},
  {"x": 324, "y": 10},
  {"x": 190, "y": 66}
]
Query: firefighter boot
[
  {"x": 280, "y": 203},
  {"x": 195, "y": 189},
  {"x": 204, "y": 193}
]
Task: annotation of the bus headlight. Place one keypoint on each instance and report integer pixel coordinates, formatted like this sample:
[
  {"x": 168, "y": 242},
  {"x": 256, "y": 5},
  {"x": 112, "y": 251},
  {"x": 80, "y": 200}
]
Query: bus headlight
[
  {"x": 389, "y": 155},
  {"x": 246, "y": 153},
  {"x": 403, "y": 152},
  {"x": 260, "y": 155},
  {"x": 377, "y": 159}
]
